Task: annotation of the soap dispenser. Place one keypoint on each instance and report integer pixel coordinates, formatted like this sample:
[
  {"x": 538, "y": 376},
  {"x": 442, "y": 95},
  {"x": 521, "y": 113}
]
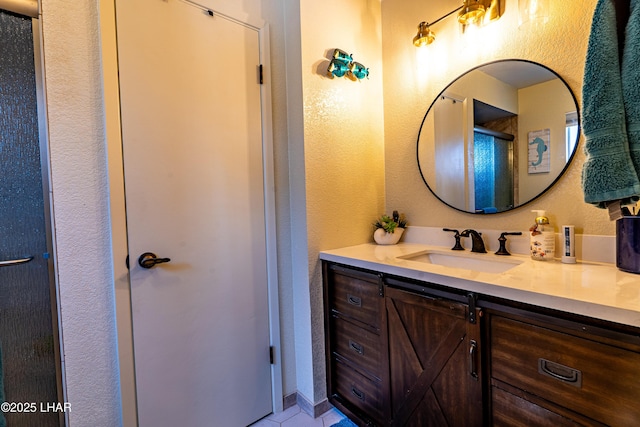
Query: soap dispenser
[{"x": 543, "y": 238}]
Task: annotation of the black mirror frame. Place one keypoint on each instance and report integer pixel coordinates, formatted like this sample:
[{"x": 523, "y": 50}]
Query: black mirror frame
[{"x": 569, "y": 160}]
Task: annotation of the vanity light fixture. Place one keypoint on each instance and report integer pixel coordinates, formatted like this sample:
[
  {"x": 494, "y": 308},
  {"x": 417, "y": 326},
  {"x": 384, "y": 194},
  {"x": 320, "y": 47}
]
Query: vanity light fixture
[
  {"x": 425, "y": 36},
  {"x": 472, "y": 12},
  {"x": 533, "y": 11},
  {"x": 479, "y": 12}
]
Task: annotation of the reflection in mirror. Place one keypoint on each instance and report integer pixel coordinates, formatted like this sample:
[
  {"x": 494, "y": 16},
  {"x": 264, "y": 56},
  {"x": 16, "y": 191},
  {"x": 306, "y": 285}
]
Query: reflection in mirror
[{"x": 498, "y": 136}]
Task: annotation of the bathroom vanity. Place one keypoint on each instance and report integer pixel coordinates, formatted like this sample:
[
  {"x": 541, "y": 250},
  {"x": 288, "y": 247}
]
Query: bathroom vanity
[{"x": 415, "y": 340}]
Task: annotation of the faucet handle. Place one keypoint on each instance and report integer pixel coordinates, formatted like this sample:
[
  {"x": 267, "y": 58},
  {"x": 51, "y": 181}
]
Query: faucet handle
[
  {"x": 503, "y": 240},
  {"x": 457, "y": 246}
]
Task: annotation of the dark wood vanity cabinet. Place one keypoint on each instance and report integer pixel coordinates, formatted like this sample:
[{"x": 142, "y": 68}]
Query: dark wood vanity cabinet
[
  {"x": 356, "y": 344},
  {"x": 401, "y": 358},
  {"x": 408, "y": 353},
  {"x": 549, "y": 371}
]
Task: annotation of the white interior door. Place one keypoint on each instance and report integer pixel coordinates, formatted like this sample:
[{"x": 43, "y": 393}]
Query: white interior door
[{"x": 192, "y": 147}]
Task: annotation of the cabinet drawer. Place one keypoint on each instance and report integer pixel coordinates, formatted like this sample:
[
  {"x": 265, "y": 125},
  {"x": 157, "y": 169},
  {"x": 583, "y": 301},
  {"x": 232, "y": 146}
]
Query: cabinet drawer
[
  {"x": 356, "y": 295},
  {"x": 597, "y": 380},
  {"x": 359, "y": 346},
  {"x": 363, "y": 393},
  {"x": 513, "y": 411}
]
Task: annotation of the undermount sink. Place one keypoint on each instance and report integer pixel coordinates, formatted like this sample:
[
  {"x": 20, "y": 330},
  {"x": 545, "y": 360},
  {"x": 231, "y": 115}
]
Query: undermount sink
[{"x": 486, "y": 263}]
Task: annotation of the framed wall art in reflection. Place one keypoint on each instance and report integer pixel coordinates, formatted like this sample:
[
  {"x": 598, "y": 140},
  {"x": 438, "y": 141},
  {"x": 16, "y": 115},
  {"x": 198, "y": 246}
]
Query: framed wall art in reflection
[{"x": 539, "y": 159}]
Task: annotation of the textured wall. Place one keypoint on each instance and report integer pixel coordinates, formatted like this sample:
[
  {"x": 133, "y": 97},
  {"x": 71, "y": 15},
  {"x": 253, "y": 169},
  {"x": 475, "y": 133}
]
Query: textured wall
[
  {"x": 80, "y": 196},
  {"x": 411, "y": 82},
  {"x": 342, "y": 149}
]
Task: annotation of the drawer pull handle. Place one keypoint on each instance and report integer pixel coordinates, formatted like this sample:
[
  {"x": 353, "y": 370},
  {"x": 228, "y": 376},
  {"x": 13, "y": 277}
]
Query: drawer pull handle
[
  {"x": 356, "y": 347},
  {"x": 357, "y": 393},
  {"x": 357, "y": 301},
  {"x": 560, "y": 372},
  {"x": 473, "y": 347}
]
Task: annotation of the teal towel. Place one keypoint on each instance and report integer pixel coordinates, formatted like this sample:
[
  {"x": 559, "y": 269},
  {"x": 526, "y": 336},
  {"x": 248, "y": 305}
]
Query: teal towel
[
  {"x": 631, "y": 82},
  {"x": 608, "y": 173}
]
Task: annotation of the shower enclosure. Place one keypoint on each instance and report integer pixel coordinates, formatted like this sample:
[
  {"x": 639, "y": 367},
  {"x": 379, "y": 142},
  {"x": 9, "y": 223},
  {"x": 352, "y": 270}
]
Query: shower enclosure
[
  {"x": 493, "y": 171},
  {"x": 30, "y": 381}
]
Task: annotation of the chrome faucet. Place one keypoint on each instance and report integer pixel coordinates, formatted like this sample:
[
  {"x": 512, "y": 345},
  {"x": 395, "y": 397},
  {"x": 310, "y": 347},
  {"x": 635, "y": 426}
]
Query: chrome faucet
[{"x": 477, "y": 244}]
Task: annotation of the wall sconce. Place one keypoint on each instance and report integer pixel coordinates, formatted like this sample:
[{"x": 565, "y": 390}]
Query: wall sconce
[
  {"x": 358, "y": 71},
  {"x": 534, "y": 11},
  {"x": 425, "y": 36},
  {"x": 479, "y": 12},
  {"x": 343, "y": 64},
  {"x": 472, "y": 12}
]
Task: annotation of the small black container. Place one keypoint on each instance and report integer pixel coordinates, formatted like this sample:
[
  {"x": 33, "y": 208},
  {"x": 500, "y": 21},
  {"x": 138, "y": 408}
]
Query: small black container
[{"x": 628, "y": 244}]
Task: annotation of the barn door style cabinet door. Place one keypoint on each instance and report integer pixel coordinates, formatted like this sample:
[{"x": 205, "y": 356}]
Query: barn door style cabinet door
[{"x": 434, "y": 360}]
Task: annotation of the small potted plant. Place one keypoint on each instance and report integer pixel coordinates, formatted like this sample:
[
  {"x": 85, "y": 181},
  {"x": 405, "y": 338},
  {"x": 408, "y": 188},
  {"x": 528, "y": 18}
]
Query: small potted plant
[{"x": 389, "y": 229}]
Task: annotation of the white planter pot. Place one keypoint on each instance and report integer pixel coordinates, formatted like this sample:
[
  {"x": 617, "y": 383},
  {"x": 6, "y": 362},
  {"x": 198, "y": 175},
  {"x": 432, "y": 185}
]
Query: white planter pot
[{"x": 383, "y": 238}]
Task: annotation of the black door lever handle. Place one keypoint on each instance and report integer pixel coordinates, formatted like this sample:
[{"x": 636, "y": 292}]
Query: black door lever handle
[{"x": 149, "y": 260}]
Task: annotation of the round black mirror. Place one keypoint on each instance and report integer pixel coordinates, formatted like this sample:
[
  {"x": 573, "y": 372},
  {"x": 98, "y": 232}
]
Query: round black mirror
[{"x": 498, "y": 136}]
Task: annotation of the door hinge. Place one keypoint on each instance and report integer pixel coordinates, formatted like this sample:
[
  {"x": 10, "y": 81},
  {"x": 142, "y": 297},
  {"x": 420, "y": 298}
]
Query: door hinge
[
  {"x": 272, "y": 355},
  {"x": 260, "y": 74}
]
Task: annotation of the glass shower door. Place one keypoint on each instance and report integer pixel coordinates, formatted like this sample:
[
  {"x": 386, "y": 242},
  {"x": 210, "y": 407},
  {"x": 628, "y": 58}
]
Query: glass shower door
[
  {"x": 493, "y": 173},
  {"x": 29, "y": 355}
]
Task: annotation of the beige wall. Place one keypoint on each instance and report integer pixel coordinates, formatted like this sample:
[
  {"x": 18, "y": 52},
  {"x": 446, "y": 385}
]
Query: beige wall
[
  {"x": 336, "y": 159},
  {"x": 411, "y": 82},
  {"x": 80, "y": 195},
  {"x": 552, "y": 117}
]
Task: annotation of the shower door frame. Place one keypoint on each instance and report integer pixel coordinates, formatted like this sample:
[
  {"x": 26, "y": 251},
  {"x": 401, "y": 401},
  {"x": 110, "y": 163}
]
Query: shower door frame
[
  {"x": 43, "y": 142},
  {"x": 43, "y": 137}
]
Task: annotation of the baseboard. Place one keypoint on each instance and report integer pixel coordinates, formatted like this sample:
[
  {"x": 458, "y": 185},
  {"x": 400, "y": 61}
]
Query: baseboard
[
  {"x": 313, "y": 410},
  {"x": 289, "y": 400}
]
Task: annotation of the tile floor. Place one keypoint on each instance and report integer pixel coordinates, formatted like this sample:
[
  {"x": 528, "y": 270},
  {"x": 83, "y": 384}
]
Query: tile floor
[{"x": 295, "y": 417}]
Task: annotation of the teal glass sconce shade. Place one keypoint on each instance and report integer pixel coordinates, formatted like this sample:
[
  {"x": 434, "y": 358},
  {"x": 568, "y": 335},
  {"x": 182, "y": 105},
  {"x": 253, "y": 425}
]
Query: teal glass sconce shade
[
  {"x": 342, "y": 55},
  {"x": 342, "y": 64},
  {"x": 338, "y": 67},
  {"x": 359, "y": 71}
]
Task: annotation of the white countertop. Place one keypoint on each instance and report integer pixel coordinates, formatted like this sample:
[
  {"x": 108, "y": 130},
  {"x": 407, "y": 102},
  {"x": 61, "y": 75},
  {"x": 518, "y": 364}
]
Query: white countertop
[{"x": 597, "y": 290}]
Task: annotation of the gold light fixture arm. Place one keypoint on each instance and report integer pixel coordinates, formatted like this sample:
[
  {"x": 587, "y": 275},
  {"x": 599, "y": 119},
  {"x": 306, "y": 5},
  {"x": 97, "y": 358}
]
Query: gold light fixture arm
[
  {"x": 477, "y": 12},
  {"x": 425, "y": 36}
]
